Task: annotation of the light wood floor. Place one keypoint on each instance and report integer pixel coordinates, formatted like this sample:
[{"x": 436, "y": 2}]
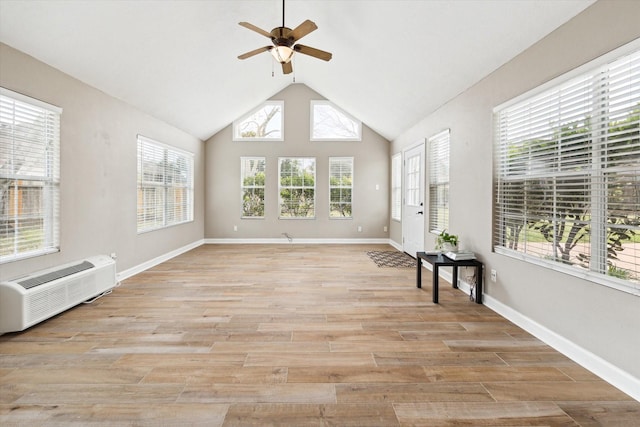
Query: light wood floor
[{"x": 230, "y": 335}]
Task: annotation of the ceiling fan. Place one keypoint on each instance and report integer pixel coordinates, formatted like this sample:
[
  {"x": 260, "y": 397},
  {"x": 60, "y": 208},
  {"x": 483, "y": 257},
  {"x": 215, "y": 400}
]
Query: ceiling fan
[{"x": 284, "y": 43}]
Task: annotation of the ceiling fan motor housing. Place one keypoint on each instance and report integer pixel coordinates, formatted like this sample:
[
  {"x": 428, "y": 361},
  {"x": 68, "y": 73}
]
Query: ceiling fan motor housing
[{"x": 281, "y": 36}]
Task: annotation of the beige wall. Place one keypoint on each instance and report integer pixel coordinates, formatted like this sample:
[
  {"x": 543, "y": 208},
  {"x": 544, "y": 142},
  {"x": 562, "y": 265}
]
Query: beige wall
[
  {"x": 98, "y": 170},
  {"x": 599, "y": 319},
  {"x": 371, "y": 168}
]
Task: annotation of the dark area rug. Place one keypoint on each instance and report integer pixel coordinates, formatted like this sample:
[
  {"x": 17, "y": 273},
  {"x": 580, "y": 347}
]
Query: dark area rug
[{"x": 392, "y": 259}]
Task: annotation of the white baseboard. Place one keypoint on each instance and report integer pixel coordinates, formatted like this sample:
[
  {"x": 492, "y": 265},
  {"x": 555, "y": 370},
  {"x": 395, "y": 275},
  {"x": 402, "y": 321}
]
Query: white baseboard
[
  {"x": 157, "y": 260},
  {"x": 295, "y": 240},
  {"x": 605, "y": 370},
  {"x": 396, "y": 245}
]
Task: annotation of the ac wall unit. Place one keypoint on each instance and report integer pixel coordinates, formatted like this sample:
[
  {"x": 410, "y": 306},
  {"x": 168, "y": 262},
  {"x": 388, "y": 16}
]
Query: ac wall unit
[{"x": 31, "y": 299}]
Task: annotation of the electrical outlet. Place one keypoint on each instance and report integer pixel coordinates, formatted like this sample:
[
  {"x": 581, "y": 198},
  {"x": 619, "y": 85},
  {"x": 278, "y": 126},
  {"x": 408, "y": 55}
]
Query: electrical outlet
[
  {"x": 235, "y": 228},
  {"x": 384, "y": 228},
  {"x": 494, "y": 275},
  {"x": 359, "y": 229}
]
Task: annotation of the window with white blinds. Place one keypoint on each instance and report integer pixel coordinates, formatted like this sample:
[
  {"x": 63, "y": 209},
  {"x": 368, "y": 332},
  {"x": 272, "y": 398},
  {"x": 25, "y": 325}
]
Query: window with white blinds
[
  {"x": 568, "y": 175},
  {"x": 439, "y": 181},
  {"x": 29, "y": 176},
  {"x": 340, "y": 187},
  {"x": 252, "y": 186},
  {"x": 297, "y": 187},
  {"x": 165, "y": 185},
  {"x": 396, "y": 187}
]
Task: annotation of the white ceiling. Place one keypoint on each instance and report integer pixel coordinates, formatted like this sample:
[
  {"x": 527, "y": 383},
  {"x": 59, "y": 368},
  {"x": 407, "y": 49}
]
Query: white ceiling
[{"x": 394, "y": 61}]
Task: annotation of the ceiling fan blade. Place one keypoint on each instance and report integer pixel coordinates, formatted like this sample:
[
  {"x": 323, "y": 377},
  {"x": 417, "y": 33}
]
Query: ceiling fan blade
[
  {"x": 287, "y": 68},
  {"x": 256, "y": 29},
  {"x": 255, "y": 52},
  {"x": 303, "y": 29},
  {"x": 311, "y": 51}
]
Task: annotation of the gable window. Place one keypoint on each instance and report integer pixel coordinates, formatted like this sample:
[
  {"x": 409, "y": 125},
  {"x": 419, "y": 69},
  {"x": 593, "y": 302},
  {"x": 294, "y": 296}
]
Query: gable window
[
  {"x": 165, "y": 185},
  {"x": 439, "y": 182},
  {"x": 297, "y": 187},
  {"x": 396, "y": 187},
  {"x": 340, "y": 187},
  {"x": 329, "y": 123},
  {"x": 252, "y": 185},
  {"x": 265, "y": 123},
  {"x": 568, "y": 174},
  {"x": 29, "y": 176}
]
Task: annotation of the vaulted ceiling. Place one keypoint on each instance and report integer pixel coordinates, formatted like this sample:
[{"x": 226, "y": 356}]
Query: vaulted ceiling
[{"x": 394, "y": 61}]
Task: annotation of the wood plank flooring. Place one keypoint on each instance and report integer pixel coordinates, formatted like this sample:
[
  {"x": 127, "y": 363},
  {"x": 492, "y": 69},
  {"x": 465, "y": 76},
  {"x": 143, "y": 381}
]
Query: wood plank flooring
[{"x": 299, "y": 335}]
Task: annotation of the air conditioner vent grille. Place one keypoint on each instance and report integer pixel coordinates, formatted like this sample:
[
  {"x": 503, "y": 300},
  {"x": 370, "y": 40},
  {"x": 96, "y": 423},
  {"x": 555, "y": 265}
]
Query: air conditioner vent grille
[{"x": 55, "y": 275}]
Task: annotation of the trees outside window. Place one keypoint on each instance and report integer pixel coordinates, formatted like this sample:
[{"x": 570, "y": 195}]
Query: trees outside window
[
  {"x": 297, "y": 177},
  {"x": 253, "y": 186},
  {"x": 340, "y": 187},
  {"x": 265, "y": 123},
  {"x": 568, "y": 174},
  {"x": 329, "y": 123}
]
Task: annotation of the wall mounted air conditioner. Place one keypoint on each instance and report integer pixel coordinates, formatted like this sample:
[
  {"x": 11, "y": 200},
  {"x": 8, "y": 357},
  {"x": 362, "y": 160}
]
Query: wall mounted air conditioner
[{"x": 28, "y": 300}]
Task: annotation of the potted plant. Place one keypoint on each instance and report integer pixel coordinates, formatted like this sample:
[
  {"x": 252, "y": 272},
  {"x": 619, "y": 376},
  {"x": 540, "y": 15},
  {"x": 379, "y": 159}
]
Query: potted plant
[{"x": 447, "y": 242}]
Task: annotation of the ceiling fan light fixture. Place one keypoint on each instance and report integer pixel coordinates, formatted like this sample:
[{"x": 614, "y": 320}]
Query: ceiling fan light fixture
[{"x": 282, "y": 54}]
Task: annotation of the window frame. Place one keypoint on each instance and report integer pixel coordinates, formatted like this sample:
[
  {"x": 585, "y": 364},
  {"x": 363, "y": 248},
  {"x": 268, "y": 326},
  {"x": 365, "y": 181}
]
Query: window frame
[
  {"x": 396, "y": 187},
  {"x": 312, "y": 113},
  {"x": 165, "y": 186},
  {"x": 303, "y": 187},
  {"x": 439, "y": 179},
  {"x": 45, "y": 173},
  {"x": 237, "y": 123},
  {"x": 341, "y": 187},
  {"x": 253, "y": 187},
  {"x": 598, "y": 137}
]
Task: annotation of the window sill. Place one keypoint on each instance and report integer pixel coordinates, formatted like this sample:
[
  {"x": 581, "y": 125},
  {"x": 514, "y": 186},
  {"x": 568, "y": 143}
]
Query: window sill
[{"x": 600, "y": 279}]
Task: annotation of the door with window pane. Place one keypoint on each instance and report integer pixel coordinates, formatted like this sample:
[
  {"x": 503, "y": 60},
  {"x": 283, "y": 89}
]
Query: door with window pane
[{"x": 413, "y": 200}]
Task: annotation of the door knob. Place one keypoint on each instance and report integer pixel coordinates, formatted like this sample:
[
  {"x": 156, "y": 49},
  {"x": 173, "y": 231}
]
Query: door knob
[{"x": 421, "y": 213}]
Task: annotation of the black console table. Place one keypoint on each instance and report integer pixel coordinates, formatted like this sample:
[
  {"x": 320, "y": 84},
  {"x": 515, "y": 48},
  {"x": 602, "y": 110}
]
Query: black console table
[{"x": 440, "y": 260}]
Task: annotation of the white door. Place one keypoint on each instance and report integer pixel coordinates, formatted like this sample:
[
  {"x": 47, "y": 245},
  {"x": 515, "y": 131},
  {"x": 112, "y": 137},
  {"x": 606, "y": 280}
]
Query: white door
[{"x": 413, "y": 200}]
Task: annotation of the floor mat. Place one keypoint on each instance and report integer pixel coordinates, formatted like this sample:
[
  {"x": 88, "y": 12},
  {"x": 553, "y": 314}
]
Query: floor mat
[{"x": 392, "y": 259}]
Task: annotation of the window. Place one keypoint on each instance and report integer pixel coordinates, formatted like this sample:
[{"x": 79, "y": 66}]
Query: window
[
  {"x": 329, "y": 123},
  {"x": 396, "y": 187},
  {"x": 439, "y": 182},
  {"x": 165, "y": 185},
  {"x": 265, "y": 123},
  {"x": 340, "y": 187},
  {"x": 297, "y": 187},
  {"x": 29, "y": 176},
  {"x": 568, "y": 175},
  {"x": 253, "y": 181},
  {"x": 412, "y": 191}
]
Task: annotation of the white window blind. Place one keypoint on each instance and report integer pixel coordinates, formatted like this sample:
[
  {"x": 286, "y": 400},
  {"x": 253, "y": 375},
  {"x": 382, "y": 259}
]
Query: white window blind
[
  {"x": 29, "y": 176},
  {"x": 568, "y": 175},
  {"x": 340, "y": 187},
  {"x": 297, "y": 187},
  {"x": 396, "y": 187},
  {"x": 165, "y": 185},
  {"x": 252, "y": 186},
  {"x": 439, "y": 181}
]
